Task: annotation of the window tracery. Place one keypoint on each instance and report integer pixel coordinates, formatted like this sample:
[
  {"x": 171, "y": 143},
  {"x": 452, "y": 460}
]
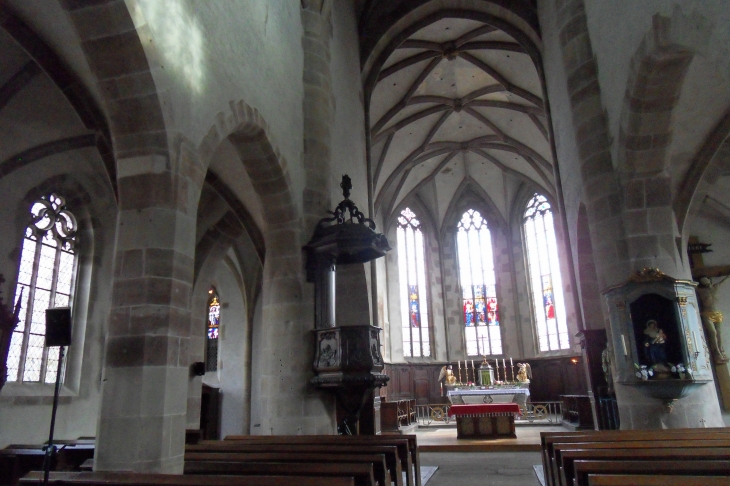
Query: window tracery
[
  {"x": 46, "y": 278},
  {"x": 413, "y": 290},
  {"x": 544, "y": 274},
  {"x": 480, "y": 308}
]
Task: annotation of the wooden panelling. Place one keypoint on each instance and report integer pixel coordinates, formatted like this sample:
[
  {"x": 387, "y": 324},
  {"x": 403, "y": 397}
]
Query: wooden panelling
[{"x": 551, "y": 377}]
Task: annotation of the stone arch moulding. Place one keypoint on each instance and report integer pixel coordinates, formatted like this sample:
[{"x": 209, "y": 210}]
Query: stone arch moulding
[
  {"x": 703, "y": 169},
  {"x": 114, "y": 50},
  {"x": 250, "y": 135},
  {"x": 657, "y": 73}
]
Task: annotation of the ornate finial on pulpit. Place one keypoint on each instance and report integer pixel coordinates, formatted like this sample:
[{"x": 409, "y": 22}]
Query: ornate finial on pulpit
[{"x": 346, "y": 185}]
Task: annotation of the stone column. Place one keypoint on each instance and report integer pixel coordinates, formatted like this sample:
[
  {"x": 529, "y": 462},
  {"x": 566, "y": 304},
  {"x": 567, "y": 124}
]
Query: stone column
[
  {"x": 144, "y": 392},
  {"x": 631, "y": 220},
  {"x": 318, "y": 108}
]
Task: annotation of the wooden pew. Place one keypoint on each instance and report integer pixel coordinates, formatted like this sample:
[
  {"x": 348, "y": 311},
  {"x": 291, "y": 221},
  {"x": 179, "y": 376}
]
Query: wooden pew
[
  {"x": 407, "y": 446},
  {"x": 363, "y": 473},
  {"x": 380, "y": 470},
  {"x": 664, "y": 480},
  {"x": 136, "y": 479},
  {"x": 390, "y": 452},
  {"x": 693, "y": 454},
  {"x": 582, "y": 468},
  {"x": 17, "y": 462},
  {"x": 564, "y": 468},
  {"x": 548, "y": 439}
]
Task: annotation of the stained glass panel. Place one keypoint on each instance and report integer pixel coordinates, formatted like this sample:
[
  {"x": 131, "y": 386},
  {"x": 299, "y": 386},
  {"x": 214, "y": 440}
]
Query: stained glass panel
[
  {"x": 478, "y": 285},
  {"x": 544, "y": 274},
  {"x": 212, "y": 333},
  {"x": 413, "y": 288},
  {"x": 45, "y": 279}
]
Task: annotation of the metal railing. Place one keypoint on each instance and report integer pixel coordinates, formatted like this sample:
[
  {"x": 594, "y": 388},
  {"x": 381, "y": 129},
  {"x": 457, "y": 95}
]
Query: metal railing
[{"x": 535, "y": 412}]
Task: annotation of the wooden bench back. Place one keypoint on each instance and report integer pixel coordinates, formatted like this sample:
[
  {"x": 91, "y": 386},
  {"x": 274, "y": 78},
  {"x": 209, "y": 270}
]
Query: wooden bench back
[
  {"x": 407, "y": 446},
  {"x": 582, "y": 468},
  {"x": 136, "y": 479},
  {"x": 666, "y": 454},
  {"x": 363, "y": 473},
  {"x": 377, "y": 461},
  {"x": 548, "y": 439},
  {"x": 390, "y": 452},
  {"x": 663, "y": 480}
]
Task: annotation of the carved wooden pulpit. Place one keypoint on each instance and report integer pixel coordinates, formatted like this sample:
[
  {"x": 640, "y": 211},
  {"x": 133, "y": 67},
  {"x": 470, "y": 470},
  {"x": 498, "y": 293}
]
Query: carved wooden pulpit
[{"x": 347, "y": 358}]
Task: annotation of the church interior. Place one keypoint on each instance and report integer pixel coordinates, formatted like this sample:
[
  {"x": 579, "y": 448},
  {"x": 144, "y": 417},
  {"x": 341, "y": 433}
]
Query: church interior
[{"x": 268, "y": 218}]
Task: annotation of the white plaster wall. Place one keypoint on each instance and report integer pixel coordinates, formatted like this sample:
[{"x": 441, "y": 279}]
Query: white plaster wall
[
  {"x": 617, "y": 29},
  {"x": 348, "y": 129},
  {"x": 212, "y": 53}
]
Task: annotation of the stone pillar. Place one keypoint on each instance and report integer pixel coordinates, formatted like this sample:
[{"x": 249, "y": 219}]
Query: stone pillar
[
  {"x": 145, "y": 378},
  {"x": 629, "y": 213},
  {"x": 318, "y": 108}
]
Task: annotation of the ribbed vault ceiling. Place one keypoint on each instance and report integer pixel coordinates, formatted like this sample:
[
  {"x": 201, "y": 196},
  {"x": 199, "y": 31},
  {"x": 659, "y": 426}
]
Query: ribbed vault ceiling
[{"x": 458, "y": 99}]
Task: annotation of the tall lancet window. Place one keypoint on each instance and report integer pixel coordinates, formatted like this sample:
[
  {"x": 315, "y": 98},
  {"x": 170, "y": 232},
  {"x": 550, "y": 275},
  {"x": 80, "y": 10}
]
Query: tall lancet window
[
  {"x": 544, "y": 274},
  {"x": 413, "y": 290},
  {"x": 45, "y": 280},
  {"x": 478, "y": 285},
  {"x": 212, "y": 329}
]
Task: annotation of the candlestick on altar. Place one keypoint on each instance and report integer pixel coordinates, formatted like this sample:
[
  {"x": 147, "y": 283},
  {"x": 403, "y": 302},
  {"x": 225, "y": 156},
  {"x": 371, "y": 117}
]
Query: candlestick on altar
[
  {"x": 460, "y": 379},
  {"x": 496, "y": 368},
  {"x": 512, "y": 368},
  {"x": 473, "y": 373},
  {"x": 504, "y": 365}
]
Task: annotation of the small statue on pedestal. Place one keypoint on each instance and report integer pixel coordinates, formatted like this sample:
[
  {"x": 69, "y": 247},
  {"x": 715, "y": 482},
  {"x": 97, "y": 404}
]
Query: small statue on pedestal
[
  {"x": 447, "y": 375},
  {"x": 525, "y": 373}
]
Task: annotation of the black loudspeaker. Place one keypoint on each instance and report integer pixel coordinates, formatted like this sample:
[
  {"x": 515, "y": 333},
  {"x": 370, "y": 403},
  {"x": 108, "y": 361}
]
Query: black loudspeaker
[{"x": 58, "y": 326}]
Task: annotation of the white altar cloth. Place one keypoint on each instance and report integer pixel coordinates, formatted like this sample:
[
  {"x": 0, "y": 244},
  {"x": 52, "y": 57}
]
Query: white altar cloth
[{"x": 489, "y": 395}]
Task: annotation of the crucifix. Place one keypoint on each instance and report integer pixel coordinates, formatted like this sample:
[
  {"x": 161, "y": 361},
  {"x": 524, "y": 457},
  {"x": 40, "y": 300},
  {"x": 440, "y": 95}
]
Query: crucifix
[{"x": 710, "y": 316}]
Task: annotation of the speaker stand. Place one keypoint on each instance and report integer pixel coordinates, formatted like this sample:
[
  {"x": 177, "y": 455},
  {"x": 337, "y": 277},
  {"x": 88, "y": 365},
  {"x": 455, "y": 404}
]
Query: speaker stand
[{"x": 50, "y": 448}]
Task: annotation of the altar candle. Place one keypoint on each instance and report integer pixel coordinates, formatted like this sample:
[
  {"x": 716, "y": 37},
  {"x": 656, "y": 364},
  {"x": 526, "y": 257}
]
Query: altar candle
[
  {"x": 623, "y": 343},
  {"x": 510, "y": 362},
  {"x": 459, "y": 363}
]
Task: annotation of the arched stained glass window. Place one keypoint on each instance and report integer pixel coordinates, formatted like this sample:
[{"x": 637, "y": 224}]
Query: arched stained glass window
[
  {"x": 478, "y": 285},
  {"x": 45, "y": 280},
  {"x": 544, "y": 274},
  {"x": 413, "y": 290},
  {"x": 212, "y": 331}
]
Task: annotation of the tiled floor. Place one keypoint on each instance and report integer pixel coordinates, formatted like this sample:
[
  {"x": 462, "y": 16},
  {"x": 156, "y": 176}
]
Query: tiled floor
[{"x": 482, "y": 468}]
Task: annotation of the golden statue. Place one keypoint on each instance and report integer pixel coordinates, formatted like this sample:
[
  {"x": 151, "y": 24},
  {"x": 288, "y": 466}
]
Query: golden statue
[
  {"x": 712, "y": 318},
  {"x": 525, "y": 373},
  {"x": 447, "y": 375}
]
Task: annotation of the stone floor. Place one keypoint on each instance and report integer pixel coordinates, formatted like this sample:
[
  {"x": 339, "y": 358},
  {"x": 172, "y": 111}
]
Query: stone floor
[
  {"x": 443, "y": 439},
  {"x": 482, "y": 468}
]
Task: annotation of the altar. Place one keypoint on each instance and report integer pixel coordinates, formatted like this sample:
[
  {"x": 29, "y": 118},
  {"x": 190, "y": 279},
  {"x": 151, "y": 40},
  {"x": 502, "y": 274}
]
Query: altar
[
  {"x": 489, "y": 395},
  {"x": 492, "y": 421}
]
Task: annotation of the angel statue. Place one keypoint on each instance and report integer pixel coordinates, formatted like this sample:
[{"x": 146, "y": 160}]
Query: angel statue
[
  {"x": 447, "y": 376},
  {"x": 525, "y": 373}
]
